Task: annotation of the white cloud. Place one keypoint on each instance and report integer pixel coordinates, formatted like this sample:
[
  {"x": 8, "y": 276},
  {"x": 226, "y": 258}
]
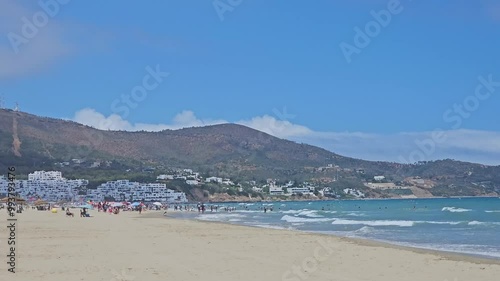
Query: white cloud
[
  {"x": 40, "y": 51},
  {"x": 115, "y": 122},
  {"x": 278, "y": 128},
  {"x": 465, "y": 145},
  {"x": 97, "y": 120}
]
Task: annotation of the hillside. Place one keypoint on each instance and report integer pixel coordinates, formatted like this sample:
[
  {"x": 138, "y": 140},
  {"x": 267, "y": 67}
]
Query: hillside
[{"x": 30, "y": 142}]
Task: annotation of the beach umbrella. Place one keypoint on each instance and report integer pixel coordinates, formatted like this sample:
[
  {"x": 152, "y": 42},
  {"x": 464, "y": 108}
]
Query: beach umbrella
[
  {"x": 40, "y": 202},
  {"x": 135, "y": 204},
  {"x": 157, "y": 204},
  {"x": 116, "y": 204},
  {"x": 16, "y": 199}
]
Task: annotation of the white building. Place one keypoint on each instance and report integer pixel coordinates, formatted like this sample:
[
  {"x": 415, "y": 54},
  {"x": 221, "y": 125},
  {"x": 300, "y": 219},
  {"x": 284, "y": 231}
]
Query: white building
[
  {"x": 49, "y": 186},
  {"x": 297, "y": 190},
  {"x": 192, "y": 182},
  {"x": 44, "y": 176},
  {"x": 257, "y": 189},
  {"x": 4, "y": 184},
  {"x": 165, "y": 177},
  {"x": 379, "y": 178},
  {"x": 227, "y": 182},
  {"x": 52, "y": 187},
  {"x": 124, "y": 190},
  {"x": 275, "y": 190},
  {"x": 214, "y": 179},
  {"x": 354, "y": 192}
]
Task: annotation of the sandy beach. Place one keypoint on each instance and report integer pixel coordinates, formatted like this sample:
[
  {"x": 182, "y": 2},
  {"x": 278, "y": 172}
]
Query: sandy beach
[{"x": 145, "y": 247}]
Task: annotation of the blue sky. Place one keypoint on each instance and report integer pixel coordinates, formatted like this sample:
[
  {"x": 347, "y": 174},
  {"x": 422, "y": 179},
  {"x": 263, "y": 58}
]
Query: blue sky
[{"x": 276, "y": 66}]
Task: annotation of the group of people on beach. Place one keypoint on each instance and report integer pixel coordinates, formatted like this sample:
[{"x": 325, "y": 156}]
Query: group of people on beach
[
  {"x": 202, "y": 208},
  {"x": 106, "y": 207}
]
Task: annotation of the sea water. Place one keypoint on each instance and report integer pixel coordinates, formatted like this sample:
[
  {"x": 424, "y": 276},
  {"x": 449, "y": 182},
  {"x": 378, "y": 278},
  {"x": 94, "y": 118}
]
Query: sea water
[{"x": 467, "y": 225}]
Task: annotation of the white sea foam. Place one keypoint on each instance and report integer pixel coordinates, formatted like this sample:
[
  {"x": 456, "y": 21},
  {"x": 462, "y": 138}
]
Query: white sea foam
[
  {"x": 478, "y": 250},
  {"x": 291, "y": 219},
  {"x": 365, "y": 230},
  {"x": 310, "y": 214},
  {"x": 270, "y": 226},
  {"x": 441, "y": 222},
  {"x": 219, "y": 217},
  {"x": 248, "y": 211},
  {"x": 294, "y": 211},
  {"x": 494, "y": 211},
  {"x": 483, "y": 223},
  {"x": 455, "y": 210},
  {"x": 355, "y": 214},
  {"x": 374, "y": 223}
]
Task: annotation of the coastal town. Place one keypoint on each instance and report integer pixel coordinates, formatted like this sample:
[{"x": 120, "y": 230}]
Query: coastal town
[{"x": 53, "y": 187}]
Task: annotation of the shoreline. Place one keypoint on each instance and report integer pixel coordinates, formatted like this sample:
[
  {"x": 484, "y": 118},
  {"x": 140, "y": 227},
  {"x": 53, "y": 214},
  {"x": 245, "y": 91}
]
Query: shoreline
[{"x": 456, "y": 256}]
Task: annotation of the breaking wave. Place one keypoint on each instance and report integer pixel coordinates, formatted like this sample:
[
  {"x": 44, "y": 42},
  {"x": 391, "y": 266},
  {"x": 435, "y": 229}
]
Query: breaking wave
[
  {"x": 291, "y": 219},
  {"x": 455, "y": 210},
  {"x": 374, "y": 223}
]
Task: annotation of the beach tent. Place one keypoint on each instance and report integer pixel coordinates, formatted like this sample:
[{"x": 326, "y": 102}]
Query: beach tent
[{"x": 157, "y": 204}]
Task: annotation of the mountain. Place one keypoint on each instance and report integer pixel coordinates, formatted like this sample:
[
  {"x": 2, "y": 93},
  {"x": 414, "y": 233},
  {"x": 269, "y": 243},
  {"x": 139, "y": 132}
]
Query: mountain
[{"x": 31, "y": 142}]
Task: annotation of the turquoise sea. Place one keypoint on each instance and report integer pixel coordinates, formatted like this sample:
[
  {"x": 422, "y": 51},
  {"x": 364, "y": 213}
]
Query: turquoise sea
[{"x": 468, "y": 225}]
